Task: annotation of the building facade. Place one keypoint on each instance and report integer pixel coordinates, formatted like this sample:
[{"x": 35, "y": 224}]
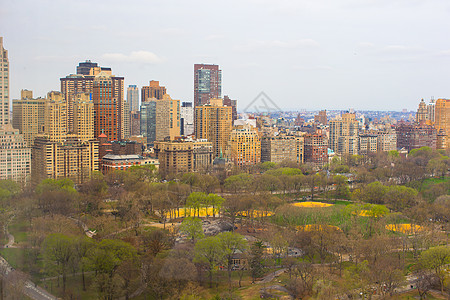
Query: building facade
[
  {"x": 344, "y": 134},
  {"x": 442, "y": 121},
  {"x": 416, "y": 136},
  {"x": 153, "y": 90},
  {"x": 28, "y": 116},
  {"x": 316, "y": 148},
  {"x": 244, "y": 146},
  {"x": 186, "y": 119},
  {"x": 4, "y": 85},
  {"x": 214, "y": 122},
  {"x": 207, "y": 83},
  {"x": 133, "y": 97},
  {"x": 282, "y": 148}
]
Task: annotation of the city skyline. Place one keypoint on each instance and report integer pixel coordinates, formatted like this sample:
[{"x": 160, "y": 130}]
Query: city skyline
[{"x": 374, "y": 55}]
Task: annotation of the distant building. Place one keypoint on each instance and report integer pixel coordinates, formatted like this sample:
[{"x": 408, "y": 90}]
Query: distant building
[
  {"x": 183, "y": 155},
  {"x": 133, "y": 97},
  {"x": 167, "y": 118},
  {"x": 135, "y": 123},
  {"x": 15, "y": 156},
  {"x": 244, "y": 146},
  {"x": 186, "y": 119},
  {"x": 71, "y": 158},
  {"x": 321, "y": 118},
  {"x": 207, "y": 83},
  {"x": 213, "y": 122},
  {"x": 442, "y": 121},
  {"x": 148, "y": 121},
  {"x": 282, "y": 148},
  {"x": 153, "y": 90},
  {"x": 416, "y": 136},
  {"x": 28, "y": 116},
  {"x": 368, "y": 143},
  {"x": 84, "y": 68},
  {"x": 108, "y": 106},
  {"x": 316, "y": 148},
  {"x": 233, "y": 103},
  {"x": 111, "y": 162},
  {"x": 387, "y": 141},
  {"x": 344, "y": 134}
]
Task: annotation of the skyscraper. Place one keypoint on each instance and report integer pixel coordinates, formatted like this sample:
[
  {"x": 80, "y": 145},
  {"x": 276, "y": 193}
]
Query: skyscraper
[
  {"x": 213, "y": 122},
  {"x": 148, "y": 120},
  {"x": 133, "y": 97},
  {"x": 15, "y": 156},
  {"x": 207, "y": 83},
  {"x": 186, "y": 119},
  {"x": 244, "y": 146},
  {"x": 442, "y": 121},
  {"x": 108, "y": 106},
  {"x": 153, "y": 90},
  {"x": 4, "y": 85},
  {"x": 84, "y": 68}
]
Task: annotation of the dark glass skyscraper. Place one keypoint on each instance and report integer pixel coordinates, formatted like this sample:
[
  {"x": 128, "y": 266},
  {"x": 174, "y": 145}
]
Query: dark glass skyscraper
[{"x": 207, "y": 83}]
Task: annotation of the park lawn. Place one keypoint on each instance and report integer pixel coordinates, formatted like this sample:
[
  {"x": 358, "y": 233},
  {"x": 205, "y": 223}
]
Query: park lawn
[
  {"x": 429, "y": 181},
  {"x": 20, "y": 259},
  {"x": 19, "y": 229},
  {"x": 74, "y": 287}
]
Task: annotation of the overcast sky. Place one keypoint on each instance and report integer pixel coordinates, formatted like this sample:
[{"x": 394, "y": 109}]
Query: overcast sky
[{"x": 315, "y": 54}]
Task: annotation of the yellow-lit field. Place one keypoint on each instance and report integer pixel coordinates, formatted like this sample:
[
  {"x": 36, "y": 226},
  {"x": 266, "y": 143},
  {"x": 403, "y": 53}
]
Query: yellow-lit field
[
  {"x": 257, "y": 213},
  {"x": 209, "y": 212},
  {"x": 190, "y": 212},
  {"x": 312, "y": 204},
  {"x": 317, "y": 227},
  {"x": 404, "y": 228}
]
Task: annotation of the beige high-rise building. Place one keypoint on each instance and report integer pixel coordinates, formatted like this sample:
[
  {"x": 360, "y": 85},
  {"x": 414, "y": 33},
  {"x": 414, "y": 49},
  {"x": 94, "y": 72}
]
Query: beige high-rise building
[
  {"x": 4, "y": 85},
  {"x": 282, "y": 148},
  {"x": 213, "y": 122},
  {"x": 344, "y": 134},
  {"x": 244, "y": 146},
  {"x": 387, "y": 141},
  {"x": 14, "y": 154},
  {"x": 368, "y": 143},
  {"x": 153, "y": 90},
  {"x": 28, "y": 116},
  {"x": 72, "y": 159},
  {"x": 167, "y": 118},
  {"x": 183, "y": 155},
  {"x": 55, "y": 117},
  {"x": 83, "y": 121},
  {"x": 442, "y": 121}
]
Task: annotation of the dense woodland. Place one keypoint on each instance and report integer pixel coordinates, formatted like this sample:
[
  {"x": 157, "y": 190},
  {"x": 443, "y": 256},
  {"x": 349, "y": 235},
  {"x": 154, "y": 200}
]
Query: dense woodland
[{"x": 371, "y": 227}]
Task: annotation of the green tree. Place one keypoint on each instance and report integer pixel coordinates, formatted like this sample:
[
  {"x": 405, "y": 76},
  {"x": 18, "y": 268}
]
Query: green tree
[
  {"x": 436, "y": 259},
  {"x": 58, "y": 252},
  {"x": 216, "y": 202},
  {"x": 256, "y": 260},
  {"x": 196, "y": 200},
  {"x": 209, "y": 251},
  {"x": 231, "y": 243},
  {"x": 342, "y": 190},
  {"x": 192, "y": 227},
  {"x": 81, "y": 246},
  {"x": 240, "y": 182}
]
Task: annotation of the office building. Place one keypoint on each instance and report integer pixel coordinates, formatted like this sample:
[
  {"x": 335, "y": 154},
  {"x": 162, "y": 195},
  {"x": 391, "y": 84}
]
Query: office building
[
  {"x": 213, "y": 122},
  {"x": 207, "y": 83},
  {"x": 153, "y": 90},
  {"x": 135, "y": 123},
  {"x": 186, "y": 119},
  {"x": 244, "y": 146},
  {"x": 148, "y": 120},
  {"x": 133, "y": 97}
]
